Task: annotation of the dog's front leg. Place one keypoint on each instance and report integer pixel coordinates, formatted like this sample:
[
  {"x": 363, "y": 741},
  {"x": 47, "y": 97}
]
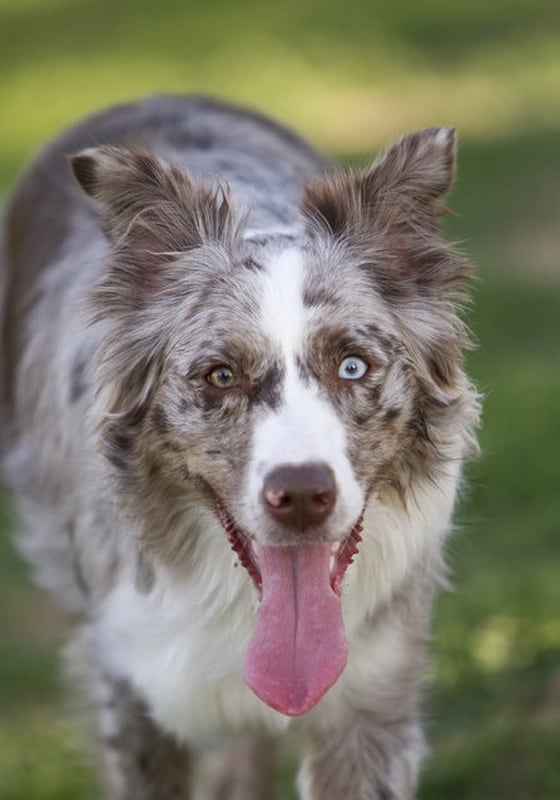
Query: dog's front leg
[
  {"x": 248, "y": 770},
  {"x": 368, "y": 760},
  {"x": 140, "y": 762}
]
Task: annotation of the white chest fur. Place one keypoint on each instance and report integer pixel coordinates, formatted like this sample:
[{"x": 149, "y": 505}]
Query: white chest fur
[{"x": 182, "y": 645}]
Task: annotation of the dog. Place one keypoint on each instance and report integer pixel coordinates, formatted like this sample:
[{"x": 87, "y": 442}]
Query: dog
[{"x": 234, "y": 421}]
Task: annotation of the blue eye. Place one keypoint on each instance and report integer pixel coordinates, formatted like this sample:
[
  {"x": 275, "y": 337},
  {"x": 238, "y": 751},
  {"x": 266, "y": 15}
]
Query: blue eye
[{"x": 352, "y": 368}]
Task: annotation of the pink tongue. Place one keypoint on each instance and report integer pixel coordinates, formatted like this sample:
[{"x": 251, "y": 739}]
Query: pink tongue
[{"x": 298, "y": 648}]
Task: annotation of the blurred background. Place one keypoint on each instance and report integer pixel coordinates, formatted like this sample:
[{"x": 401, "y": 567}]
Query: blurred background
[{"x": 351, "y": 75}]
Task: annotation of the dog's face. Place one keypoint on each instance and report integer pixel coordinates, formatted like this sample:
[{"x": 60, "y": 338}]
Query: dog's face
[{"x": 285, "y": 382}]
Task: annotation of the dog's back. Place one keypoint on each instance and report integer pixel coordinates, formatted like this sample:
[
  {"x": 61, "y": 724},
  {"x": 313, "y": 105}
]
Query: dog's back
[{"x": 212, "y": 341}]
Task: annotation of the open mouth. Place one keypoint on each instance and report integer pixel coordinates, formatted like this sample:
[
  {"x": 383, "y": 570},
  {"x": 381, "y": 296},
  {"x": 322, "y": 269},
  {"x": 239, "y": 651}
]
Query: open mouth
[
  {"x": 298, "y": 649},
  {"x": 341, "y": 555}
]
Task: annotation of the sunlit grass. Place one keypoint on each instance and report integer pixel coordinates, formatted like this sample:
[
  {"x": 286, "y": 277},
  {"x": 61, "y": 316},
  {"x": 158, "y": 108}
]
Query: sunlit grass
[
  {"x": 41, "y": 758},
  {"x": 350, "y": 77}
]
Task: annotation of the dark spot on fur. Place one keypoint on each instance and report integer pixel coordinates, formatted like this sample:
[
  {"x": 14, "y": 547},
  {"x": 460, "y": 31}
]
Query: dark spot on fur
[
  {"x": 252, "y": 264},
  {"x": 384, "y": 793},
  {"x": 388, "y": 343},
  {"x": 369, "y": 330},
  {"x": 260, "y": 241},
  {"x": 394, "y": 284},
  {"x": 77, "y": 379},
  {"x": 117, "y": 448},
  {"x": 198, "y": 401},
  {"x": 418, "y": 426},
  {"x": 171, "y": 446},
  {"x": 374, "y": 393},
  {"x": 317, "y": 296},
  {"x": 200, "y": 138},
  {"x": 428, "y": 401},
  {"x": 439, "y": 369},
  {"x": 362, "y": 419},
  {"x": 133, "y": 417},
  {"x": 153, "y": 470},
  {"x": 303, "y": 370},
  {"x": 280, "y": 238},
  {"x": 391, "y": 414},
  {"x": 144, "y": 762},
  {"x": 160, "y": 420},
  {"x": 211, "y": 399},
  {"x": 269, "y": 390},
  {"x": 112, "y": 742}
]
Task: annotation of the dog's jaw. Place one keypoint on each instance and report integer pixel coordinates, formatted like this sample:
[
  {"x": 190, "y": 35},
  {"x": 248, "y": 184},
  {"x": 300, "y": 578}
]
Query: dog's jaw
[
  {"x": 342, "y": 551},
  {"x": 241, "y": 545},
  {"x": 298, "y": 649}
]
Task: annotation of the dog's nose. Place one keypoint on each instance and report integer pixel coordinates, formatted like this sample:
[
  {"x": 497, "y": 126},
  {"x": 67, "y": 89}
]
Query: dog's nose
[{"x": 300, "y": 496}]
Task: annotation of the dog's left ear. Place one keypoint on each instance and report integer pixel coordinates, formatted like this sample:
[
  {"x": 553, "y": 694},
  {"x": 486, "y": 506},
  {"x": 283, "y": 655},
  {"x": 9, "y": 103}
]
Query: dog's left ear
[
  {"x": 147, "y": 204},
  {"x": 401, "y": 190}
]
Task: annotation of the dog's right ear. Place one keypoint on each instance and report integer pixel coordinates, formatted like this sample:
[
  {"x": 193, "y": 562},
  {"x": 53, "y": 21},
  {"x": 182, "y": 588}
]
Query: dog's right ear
[
  {"x": 400, "y": 192},
  {"x": 148, "y": 205}
]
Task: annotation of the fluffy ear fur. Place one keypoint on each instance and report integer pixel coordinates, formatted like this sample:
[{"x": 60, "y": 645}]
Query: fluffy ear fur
[
  {"x": 388, "y": 216},
  {"x": 151, "y": 212},
  {"x": 400, "y": 191},
  {"x": 150, "y": 206}
]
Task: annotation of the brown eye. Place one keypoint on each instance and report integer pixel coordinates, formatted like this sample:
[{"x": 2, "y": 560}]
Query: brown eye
[{"x": 222, "y": 377}]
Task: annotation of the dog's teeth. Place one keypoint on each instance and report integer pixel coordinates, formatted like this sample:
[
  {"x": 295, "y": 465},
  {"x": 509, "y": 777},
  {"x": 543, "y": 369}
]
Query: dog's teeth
[
  {"x": 255, "y": 548},
  {"x": 335, "y": 546}
]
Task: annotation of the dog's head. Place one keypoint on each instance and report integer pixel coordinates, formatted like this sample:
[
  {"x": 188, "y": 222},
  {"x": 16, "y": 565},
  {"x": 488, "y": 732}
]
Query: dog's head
[{"x": 284, "y": 382}]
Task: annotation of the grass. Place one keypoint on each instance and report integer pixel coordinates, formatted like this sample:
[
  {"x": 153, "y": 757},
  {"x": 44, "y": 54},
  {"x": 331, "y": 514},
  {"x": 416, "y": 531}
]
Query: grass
[
  {"x": 496, "y": 675},
  {"x": 351, "y": 75}
]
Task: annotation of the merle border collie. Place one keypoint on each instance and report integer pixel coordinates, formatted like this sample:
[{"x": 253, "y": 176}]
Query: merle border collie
[{"x": 234, "y": 421}]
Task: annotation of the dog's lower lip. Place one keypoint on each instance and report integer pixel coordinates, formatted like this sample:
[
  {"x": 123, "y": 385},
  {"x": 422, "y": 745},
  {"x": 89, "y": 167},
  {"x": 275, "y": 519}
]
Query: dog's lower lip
[
  {"x": 241, "y": 544},
  {"x": 247, "y": 549}
]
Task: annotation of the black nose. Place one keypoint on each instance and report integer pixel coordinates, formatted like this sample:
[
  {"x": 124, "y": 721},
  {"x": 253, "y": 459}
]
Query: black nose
[{"x": 301, "y": 496}]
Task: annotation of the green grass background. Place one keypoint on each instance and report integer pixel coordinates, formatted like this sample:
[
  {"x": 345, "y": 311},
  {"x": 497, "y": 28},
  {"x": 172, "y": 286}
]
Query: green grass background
[{"x": 351, "y": 75}]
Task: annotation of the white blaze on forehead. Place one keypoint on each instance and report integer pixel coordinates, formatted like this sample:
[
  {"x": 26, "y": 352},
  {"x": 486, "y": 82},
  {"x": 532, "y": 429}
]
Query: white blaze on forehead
[
  {"x": 283, "y": 312},
  {"x": 305, "y": 427}
]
